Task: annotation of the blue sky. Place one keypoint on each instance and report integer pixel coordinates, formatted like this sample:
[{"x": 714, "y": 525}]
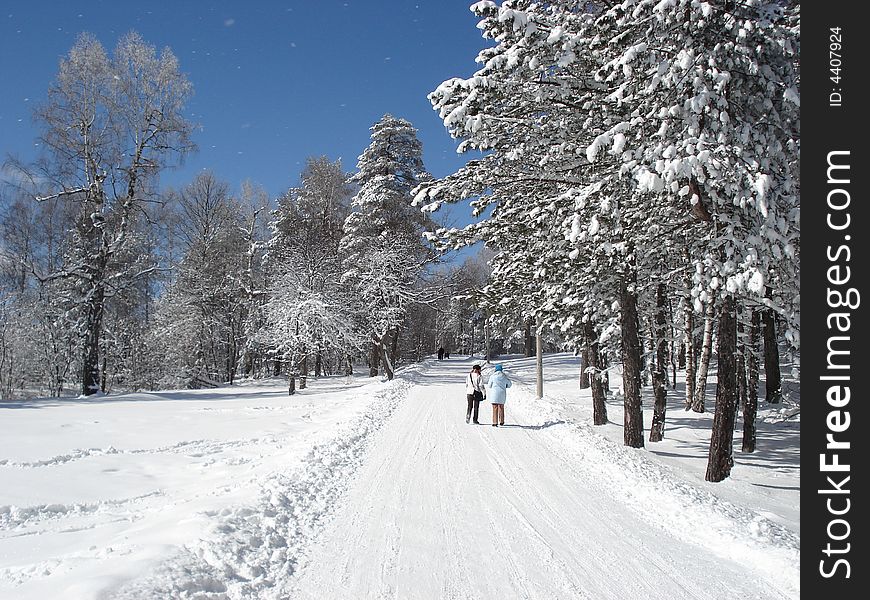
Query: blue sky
[{"x": 275, "y": 82}]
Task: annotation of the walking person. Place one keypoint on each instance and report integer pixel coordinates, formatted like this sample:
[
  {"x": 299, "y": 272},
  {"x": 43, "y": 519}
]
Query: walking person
[
  {"x": 440, "y": 353},
  {"x": 497, "y": 391},
  {"x": 474, "y": 392}
]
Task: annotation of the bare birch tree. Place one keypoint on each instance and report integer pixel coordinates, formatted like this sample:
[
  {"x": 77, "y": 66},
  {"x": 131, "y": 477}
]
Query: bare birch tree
[{"x": 109, "y": 126}]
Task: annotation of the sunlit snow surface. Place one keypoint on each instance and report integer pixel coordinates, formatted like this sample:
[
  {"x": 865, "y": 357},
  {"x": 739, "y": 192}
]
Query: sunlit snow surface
[{"x": 357, "y": 488}]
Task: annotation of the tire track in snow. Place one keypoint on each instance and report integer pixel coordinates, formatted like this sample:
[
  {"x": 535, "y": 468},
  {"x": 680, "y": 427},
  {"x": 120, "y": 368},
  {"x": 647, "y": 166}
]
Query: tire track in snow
[
  {"x": 667, "y": 503},
  {"x": 379, "y": 525},
  {"x": 528, "y": 460},
  {"x": 532, "y": 518},
  {"x": 452, "y": 530},
  {"x": 509, "y": 450}
]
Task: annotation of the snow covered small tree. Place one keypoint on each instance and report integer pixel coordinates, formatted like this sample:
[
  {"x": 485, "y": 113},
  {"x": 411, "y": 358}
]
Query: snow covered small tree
[
  {"x": 39, "y": 347},
  {"x": 307, "y": 311},
  {"x": 206, "y": 298},
  {"x": 254, "y": 202}
]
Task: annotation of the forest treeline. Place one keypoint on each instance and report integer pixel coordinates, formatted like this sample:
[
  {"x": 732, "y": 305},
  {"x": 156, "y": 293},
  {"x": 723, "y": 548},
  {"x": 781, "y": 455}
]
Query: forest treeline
[
  {"x": 111, "y": 283},
  {"x": 635, "y": 186}
]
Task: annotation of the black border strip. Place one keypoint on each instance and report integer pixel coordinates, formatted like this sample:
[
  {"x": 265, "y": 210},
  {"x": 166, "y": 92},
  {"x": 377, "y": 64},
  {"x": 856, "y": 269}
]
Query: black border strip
[{"x": 833, "y": 243}]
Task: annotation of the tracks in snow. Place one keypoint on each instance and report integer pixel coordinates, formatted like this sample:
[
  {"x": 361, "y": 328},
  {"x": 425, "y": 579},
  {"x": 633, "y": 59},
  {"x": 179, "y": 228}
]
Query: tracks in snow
[{"x": 253, "y": 551}]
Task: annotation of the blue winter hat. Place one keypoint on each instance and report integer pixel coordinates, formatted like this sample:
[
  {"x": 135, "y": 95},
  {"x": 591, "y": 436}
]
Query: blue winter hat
[{"x": 498, "y": 368}]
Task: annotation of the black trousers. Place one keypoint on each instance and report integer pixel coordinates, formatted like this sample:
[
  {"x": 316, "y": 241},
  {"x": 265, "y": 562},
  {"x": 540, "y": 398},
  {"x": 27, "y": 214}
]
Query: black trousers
[{"x": 473, "y": 406}]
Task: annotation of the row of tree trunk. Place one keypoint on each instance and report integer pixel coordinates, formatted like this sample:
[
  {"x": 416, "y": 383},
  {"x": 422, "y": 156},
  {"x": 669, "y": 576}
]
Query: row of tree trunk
[{"x": 737, "y": 375}]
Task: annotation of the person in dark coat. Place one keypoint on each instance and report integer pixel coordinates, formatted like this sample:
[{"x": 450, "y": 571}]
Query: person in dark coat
[{"x": 440, "y": 353}]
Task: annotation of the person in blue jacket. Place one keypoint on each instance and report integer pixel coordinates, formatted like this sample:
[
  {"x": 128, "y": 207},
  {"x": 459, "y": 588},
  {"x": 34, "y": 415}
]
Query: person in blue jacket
[{"x": 497, "y": 393}]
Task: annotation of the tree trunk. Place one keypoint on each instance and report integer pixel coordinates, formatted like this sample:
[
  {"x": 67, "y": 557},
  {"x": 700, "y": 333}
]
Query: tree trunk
[
  {"x": 248, "y": 363},
  {"x": 672, "y": 350},
  {"x": 633, "y": 432},
  {"x": 704, "y": 362},
  {"x": 660, "y": 374},
  {"x": 741, "y": 365},
  {"x": 689, "y": 346},
  {"x": 721, "y": 459},
  {"x": 303, "y": 372},
  {"x": 539, "y": 360},
  {"x": 348, "y": 365},
  {"x": 374, "y": 357},
  {"x": 599, "y": 406},
  {"x": 528, "y": 351},
  {"x": 318, "y": 363},
  {"x": 91, "y": 348},
  {"x": 750, "y": 406},
  {"x": 388, "y": 364},
  {"x": 292, "y": 372},
  {"x": 104, "y": 370},
  {"x": 585, "y": 363},
  {"x": 772, "y": 375},
  {"x": 394, "y": 348},
  {"x": 232, "y": 352}
]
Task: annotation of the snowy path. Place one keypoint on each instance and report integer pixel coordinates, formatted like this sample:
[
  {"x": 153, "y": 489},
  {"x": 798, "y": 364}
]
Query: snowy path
[
  {"x": 360, "y": 489},
  {"x": 445, "y": 510}
]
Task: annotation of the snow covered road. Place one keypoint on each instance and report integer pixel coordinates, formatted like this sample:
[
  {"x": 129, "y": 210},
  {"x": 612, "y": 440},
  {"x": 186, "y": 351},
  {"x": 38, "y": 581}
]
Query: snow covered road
[
  {"x": 446, "y": 510},
  {"x": 362, "y": 489}
]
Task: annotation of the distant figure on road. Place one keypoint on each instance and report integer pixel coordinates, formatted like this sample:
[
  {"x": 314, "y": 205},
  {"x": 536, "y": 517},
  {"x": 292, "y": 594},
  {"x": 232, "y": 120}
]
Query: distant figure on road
[
  {"x": 474, "y": 393},
  {"x": 497, "y": 386},
  {"x": 446, "y": 353},
  {"x": 440, "y": 353}
]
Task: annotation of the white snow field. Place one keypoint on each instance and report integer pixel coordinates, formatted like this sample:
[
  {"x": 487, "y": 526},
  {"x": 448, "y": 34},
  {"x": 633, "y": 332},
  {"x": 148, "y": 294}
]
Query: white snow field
[{"x": 357, "y": 488}]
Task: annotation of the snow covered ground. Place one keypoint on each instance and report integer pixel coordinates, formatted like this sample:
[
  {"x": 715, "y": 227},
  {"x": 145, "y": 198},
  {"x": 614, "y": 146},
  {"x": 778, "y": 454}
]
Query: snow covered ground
[{"x": 357, "y": 488}]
